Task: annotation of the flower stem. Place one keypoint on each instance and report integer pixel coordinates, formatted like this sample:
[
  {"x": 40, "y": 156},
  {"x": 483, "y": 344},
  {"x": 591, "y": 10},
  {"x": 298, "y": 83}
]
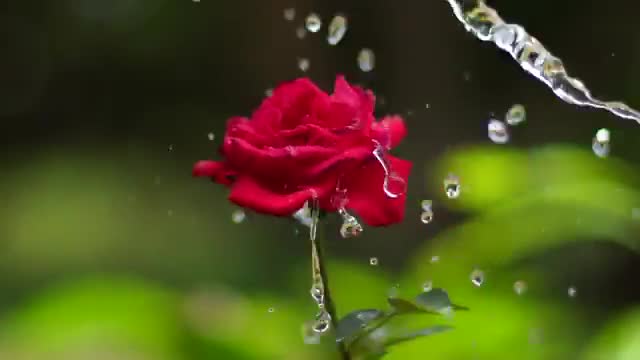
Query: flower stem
[{"x": 320, "y": 289}]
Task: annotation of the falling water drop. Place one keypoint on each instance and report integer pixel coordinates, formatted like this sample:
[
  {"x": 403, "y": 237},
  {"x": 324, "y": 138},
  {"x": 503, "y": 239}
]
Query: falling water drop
[
  {"x": 572, "y": 291},
  {"x": 393, "y": 185},
  {"x": 337, "y": 29},
  {"x": 373, "y": 261},
  {"x": 477, "y": 277},
  {"x": 498, "y": 132},
  {"x": 350, "y": 225},
  {"x": 426, "y": 204},
  {"x": 238, "y": 216},
  {"x": 452, "y": 186},
  {"x": 211, "y": 136},
  {"x": 520, "y": 287},
  {"x": 301, "y": 32},
  {"x": 289, "y": 14},
  {"x": 268, "y": 92},
  {"x": 303, "y": 64},
  {"x": 427, "y": 286},
  {"x": 516, "y": 115},
  {"x": 313, "y": 23},
  {"x": 601, "y": 143},
  {"x": 435, "y": 259},
  {"x": 322, "y": 322},
  {"x": 427, "y": 216},
  {"x": 271, "y": 310},
  {"x": 366, "y": 60}
]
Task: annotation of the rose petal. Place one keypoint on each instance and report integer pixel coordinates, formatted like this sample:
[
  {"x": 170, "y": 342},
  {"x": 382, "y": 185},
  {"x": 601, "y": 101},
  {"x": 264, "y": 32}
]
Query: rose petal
[
  {"x": 216, "y": 170},
  {"x": 294, "y": 100},
  {"x": 389, "y": 131},
  {"x": 247, "y": 192},
  {"x": 366, "y": 194}
]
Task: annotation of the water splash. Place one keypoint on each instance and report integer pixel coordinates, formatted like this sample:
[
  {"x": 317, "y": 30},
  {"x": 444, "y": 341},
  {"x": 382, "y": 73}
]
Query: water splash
[
  {"x": 350, "y": 225},
  {"x": 323, "y": 318},
  {"x": 485, "y": 23},
  {"x": 393, "y": 185}
]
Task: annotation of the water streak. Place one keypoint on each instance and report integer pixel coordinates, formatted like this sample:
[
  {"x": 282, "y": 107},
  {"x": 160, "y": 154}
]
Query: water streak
[
  {"x": 485, "y": 23},
  {"x": 323, "y": 318}
]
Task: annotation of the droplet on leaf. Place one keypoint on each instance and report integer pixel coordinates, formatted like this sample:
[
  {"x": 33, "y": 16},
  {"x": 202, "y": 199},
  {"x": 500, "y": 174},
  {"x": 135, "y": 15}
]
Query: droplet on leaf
[
  {"x": 323, "y": 322},
  {"x": 516, "y": 115},
  {"x": 477, "y": 277},
  {"x": 498, "y": 132},
  {"x": 271, "y": 310},
  {"x": 313, "y": 23},
  {"x": 366, "y": 60},
  {"x": 427, "y": 286},
  {"x": 337, "y": 29},
  {"x": 452, "y": 186}
]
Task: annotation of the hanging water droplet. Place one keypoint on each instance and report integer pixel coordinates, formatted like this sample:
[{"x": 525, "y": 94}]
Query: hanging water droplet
[
  {"x": 350, "y": 226},
  {"x": 317, "y": 293},
  {"x": 516, "y": 115},
  {"x": 337, "y": 29},
  {"x": 373, "y": 261},
  {"x": 572, "y": 291},
  {"x": 426, "y": 204},
  {"x": 427, "y": 216},
  {"x": 313, "y": 23},
  {"x": 211, "y": 136},
  {"x": 600, "y": 145},
  {"x": 323, "y": 322},
  {"x": 498, "y": 132},
  {"x": 303, "y": 64},
  {"x": 289, "y": 14},
  {"x": 271, "y": 310},
  {"x": 452, "y": 186},
  {"x": 427, "y": 286},
  {"x": 309, "y": 336},
  {"x": 366, "y": 60},
  {"x": 477, "y": 277},
  {"x": 238, "y": 216},
  {"x": 520, "y": 287},
  {"x": 301, "y": 32}
]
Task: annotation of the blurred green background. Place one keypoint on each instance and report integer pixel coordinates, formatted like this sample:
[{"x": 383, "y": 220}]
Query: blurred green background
[{"x": 110, "y": 250}]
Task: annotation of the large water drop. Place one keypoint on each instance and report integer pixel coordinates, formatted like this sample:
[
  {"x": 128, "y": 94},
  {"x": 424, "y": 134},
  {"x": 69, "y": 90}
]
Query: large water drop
[
  {"x": 313, "y": 23},
  {"x": 337, "y": 29}
]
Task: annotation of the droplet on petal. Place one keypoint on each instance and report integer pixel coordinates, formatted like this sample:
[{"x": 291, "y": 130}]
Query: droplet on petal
[
  {"x": 366, "y": 60},
  {"x": 516, "y": 115},
  {"x": 600, "y": 145},
  {"x": 498, "y": 132},
  {"x": 452, "y": 186},
  {"x": 337, "y": 29},
  {"x": 313, "y": 23},
  {"x": 477, "y": 277}
]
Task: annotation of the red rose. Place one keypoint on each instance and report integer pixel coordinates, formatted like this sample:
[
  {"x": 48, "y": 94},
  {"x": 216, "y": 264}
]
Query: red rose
[{"x": 302, "y": 143}]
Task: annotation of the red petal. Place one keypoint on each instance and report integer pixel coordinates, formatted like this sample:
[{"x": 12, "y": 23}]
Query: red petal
[
  {"x": 215, "y": 170},
  {"x": 366, "y": 194},
  {"x": 294, "y": 100},
  {"x": 389, "y": 131},
  {"x": 246, "y": 192}
]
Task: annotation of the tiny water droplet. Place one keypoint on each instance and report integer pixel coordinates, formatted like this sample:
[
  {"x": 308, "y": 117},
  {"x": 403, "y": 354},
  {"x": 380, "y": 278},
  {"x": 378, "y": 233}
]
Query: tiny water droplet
[
  {"x": 170, "y": 148},
  {"x": 520, "y": 287},
  {"x": 427, "y": 286},
  {"x": 373, "y": 261},
  {"x": 313, "y": 23},
  {"x": 289, "y": 14},
  {"x": 477, "y": 277},
  {"x": 271, "y": 310},
  {"x": 452, "y": 186},
  {"x": 427, "y": 216},
  {"x": 498, "y": 132},
  {"x": 303, "y": 64},
  {"x": 238, "y": 216},
  {"x": 323, "y": 322},
  {"x": 435, "y": 259},
  {"x": 366, "y": 60},
  {"x": 211, "y": 136},
  {"x": 572, "y": 291},
  {"x": 600, "y": 145},
  {"x": 301, "y": 32},
  {"x": 317, "y": 293},
  {"x": 427, "y": 106},
  {"x": 516, "y": 115},
  {"x": 268, "y": 92},
  {"x": 337, "y": 29}
]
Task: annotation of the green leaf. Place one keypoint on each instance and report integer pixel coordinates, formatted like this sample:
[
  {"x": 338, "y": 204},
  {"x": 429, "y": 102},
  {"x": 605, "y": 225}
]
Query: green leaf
[
  {"x": 356, "y": 323},
  {"x": 402, "y": 306},
  {"x": 397, "y": 339},
  {"x": 436, "y": 300}
]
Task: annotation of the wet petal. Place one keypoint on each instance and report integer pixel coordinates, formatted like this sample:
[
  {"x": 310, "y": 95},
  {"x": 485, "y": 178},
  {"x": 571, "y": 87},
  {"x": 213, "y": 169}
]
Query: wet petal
[{"x": 389, "y": 131}]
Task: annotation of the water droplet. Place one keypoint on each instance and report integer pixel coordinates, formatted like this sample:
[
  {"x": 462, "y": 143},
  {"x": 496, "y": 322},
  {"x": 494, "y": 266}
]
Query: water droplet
[
  {"x": 427, "y": 106},
  {"x": 289, "y": 14},
  {"x": 238, "y": 216},
  {"x": 452, "y": 186},
  {"x": 427, "y": 286},
  {"x": 435, "y": 259},
  {"x": 498, "y": 132},
  {"x": 477, "y": 277},
  {"x": 520, "y": 287},
  {"x": 170, "y": 148},
  {"x": 317, "y": 293},
  {"x": 366, "y": 60},
  {"x": 313, "y": 23},
  {"x": 323, "y": 322},
  {"x": 600, "y": 145},
  {"x": 337, "y": 29},
  {"x": 426, "y": 205},
  {"x": 271, "y": 310},
  {"x": 373, "y": 261},
  {"x": 516, "y": 115},
  {"x": 426, "y": 217},
  {"x": 301, "y": 32},
  {"x": 572, "y": 291},
  {"x": 309, "y": 336},
  {"x": 394, "y": 186},
  {"x": 268, "y": 92},
  {"x": 303, "y": 64},
  {"x": 350, "y": 226},
  {"x": 211, "y": 136}
]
